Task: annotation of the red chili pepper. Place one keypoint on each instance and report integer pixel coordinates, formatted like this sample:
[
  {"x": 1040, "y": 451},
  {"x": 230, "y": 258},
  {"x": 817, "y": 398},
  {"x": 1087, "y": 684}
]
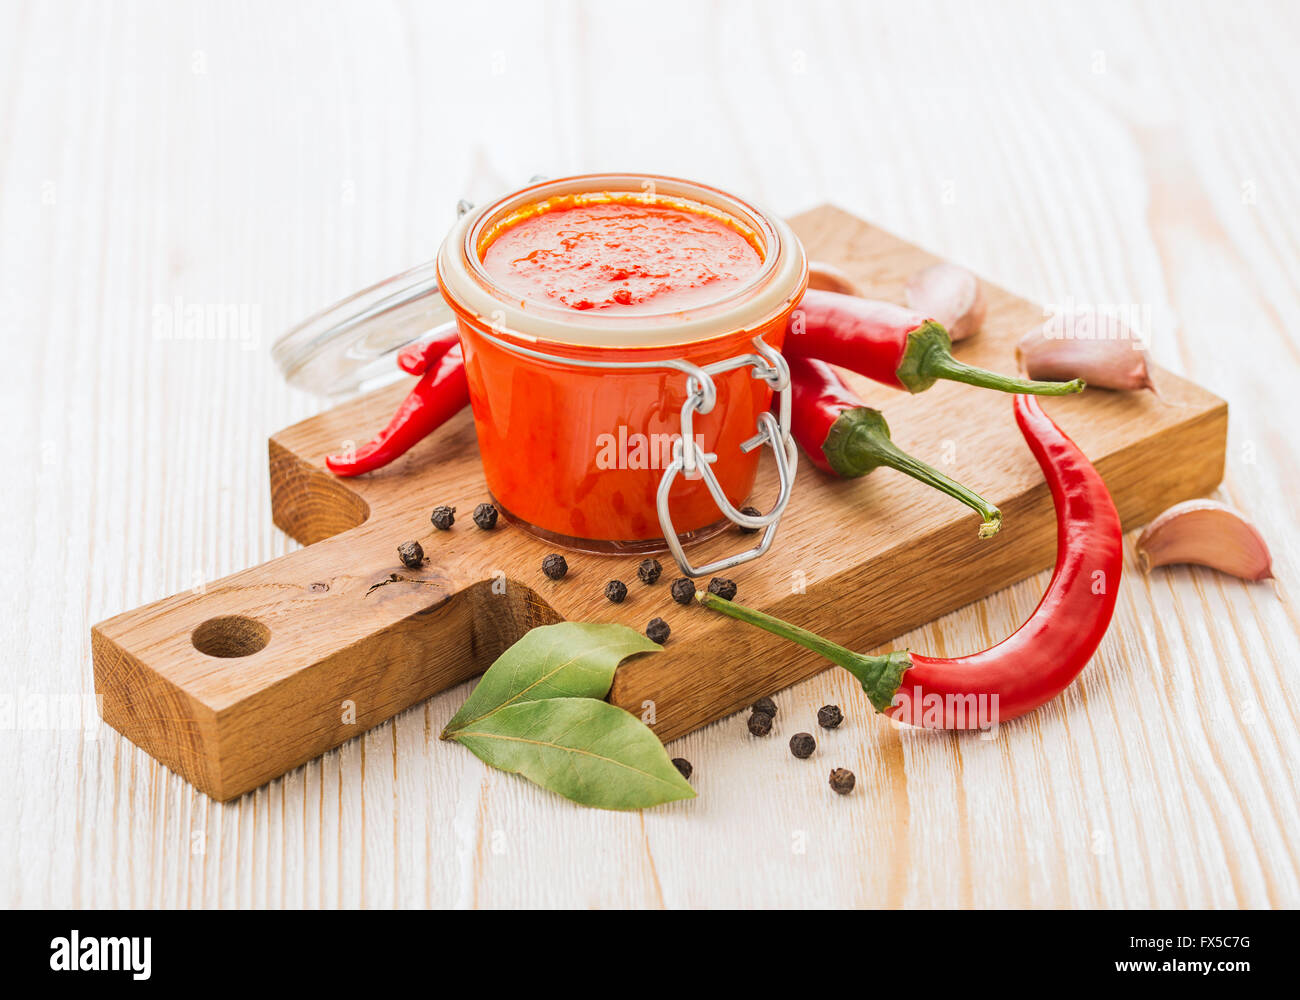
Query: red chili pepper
[
  {"x": 893, "y": 345},
  {"x": 441, "y": 393},
  {"x": 1040, "y": 659},
  {"x": 415, "y": 359},
  {"x": 845, "y": 437}
]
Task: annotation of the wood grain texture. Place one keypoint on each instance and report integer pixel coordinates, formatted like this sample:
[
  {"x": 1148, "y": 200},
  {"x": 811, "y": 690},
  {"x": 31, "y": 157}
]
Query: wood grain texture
[{"x": 1097, "y": 153}]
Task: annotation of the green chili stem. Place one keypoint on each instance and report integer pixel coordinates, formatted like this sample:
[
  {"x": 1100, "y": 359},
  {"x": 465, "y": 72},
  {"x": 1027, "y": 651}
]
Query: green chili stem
[
  {"x": 867, "y": 445},
  {"x": 880, "y": 676},
  {"x": 940, "y": 364},
  {"x": 928, "y": 357}
]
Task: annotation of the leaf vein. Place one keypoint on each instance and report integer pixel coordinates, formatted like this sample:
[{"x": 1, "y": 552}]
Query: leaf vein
[{"x": 576, "y": 750}]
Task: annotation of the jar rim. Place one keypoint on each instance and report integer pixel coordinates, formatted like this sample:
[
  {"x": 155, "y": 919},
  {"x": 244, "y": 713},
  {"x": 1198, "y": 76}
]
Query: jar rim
[{"x": 469, "y": 288}]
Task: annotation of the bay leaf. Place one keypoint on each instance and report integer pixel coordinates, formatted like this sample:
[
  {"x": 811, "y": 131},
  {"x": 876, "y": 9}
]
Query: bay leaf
[
  {"x": 586, "y": 750},
  {"x": 566, "y": 660}
]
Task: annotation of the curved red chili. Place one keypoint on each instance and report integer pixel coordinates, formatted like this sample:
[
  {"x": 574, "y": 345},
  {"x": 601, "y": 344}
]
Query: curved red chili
[
  {"x": 441, "y": 393},
  {"x": 1040, "y": 659},
  {"x": 845, "y": 437},
  {"x": 893, "y": 345},
  {"x": 416, "y": 358}
]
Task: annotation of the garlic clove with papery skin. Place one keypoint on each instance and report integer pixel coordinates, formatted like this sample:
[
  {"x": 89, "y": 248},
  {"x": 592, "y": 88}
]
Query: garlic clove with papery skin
[
  {"x": 1073, "y": 347},
  {"x": 1206, "y": 533},
  {"x": 829, "y": 278},
  {"x": 950, "y": 295}
]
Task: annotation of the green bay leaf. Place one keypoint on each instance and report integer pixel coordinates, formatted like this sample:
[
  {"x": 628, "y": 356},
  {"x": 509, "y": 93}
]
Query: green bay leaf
[
  {"x": 586, "y": 750},
  {"x": 566, "y": 660}
]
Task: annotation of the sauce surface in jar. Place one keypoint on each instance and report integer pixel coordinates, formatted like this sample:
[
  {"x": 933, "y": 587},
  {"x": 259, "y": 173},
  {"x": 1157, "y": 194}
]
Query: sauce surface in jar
[{"x": 630, "y": 257}]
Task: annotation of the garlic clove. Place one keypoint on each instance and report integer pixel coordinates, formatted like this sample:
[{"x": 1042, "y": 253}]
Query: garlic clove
[
  {"x": 829, "y": 278},
  {"x": 1106, "y": 359},
  {"x": 950, "y": 294},
  {"x": 1206, "y": 533}
]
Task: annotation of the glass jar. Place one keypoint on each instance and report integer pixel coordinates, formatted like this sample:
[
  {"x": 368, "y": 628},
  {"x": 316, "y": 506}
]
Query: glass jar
[{"x": 604, "y": 432}]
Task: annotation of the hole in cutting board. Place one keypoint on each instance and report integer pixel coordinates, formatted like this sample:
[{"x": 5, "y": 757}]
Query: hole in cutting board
[{"x": 230, "y": 636}]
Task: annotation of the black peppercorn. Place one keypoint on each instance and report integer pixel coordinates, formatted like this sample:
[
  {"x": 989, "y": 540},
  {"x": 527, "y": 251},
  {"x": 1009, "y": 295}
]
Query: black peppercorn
[
  {"x": 760, "y": 724},
  {"x": 657, "y": 631},
  {"x": 485, "y": 516},
  {"x": 683, "y": 765},
  {"x": 649, "y": 570},
  {"x": 752, "y": 512},
  {"x": 411, "y": 554},
  {"x": 842, "y": 780},
  {"x": 829, "y": 716},
  {"x": 443, "y": 518},
  {"x": 722, "y": 587},
  {"x": 616, "y": 591},
  {"x": 802, "y": 745},
  {"x": 683, "y": 590},
  {"x": 554, "y": 566},
  {"x": 765, "y": 705}
]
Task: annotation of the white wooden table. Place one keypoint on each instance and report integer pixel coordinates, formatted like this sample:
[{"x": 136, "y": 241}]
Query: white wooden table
[{"x": 270, "y": 158}]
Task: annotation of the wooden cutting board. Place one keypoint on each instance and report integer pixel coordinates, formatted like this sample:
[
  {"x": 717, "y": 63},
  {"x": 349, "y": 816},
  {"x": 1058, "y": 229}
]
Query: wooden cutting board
[{"x": 274, "y": 665}]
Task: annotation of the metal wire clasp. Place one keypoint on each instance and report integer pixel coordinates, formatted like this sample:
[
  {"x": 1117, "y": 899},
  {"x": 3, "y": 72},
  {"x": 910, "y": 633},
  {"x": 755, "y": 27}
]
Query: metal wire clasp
[{"x": 690, "y": 458}]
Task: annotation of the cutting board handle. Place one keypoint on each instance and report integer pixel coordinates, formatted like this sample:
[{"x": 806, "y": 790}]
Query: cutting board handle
[{"x": 270, "y": 667}]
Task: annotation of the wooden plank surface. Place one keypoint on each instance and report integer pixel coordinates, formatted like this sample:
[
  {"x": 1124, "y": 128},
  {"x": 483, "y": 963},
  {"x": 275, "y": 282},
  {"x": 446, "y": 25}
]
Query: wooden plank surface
[{"x": 238, "y": 156}]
